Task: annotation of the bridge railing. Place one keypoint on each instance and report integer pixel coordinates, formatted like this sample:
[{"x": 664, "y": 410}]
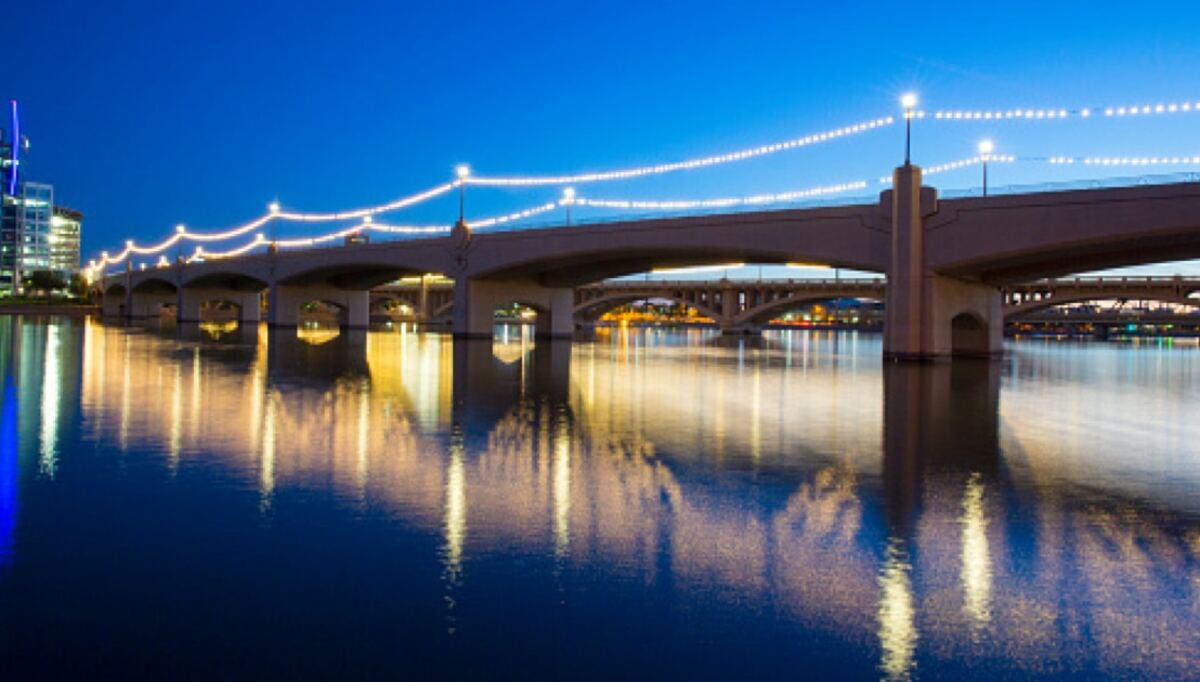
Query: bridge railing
[
  {"x": 1102, "y": 280},
  {"x": 708, "y": 283}
]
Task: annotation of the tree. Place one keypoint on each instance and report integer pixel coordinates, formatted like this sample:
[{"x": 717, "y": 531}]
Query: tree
[
  {"x": 78, "y": 286},
  {"x": 46, "y": 281}
]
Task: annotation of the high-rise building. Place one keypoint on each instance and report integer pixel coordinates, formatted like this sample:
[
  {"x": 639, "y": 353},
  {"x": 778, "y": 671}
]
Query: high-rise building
[
  {"x": 34, "y": 234},
  {"x": 66, "y": 224}
]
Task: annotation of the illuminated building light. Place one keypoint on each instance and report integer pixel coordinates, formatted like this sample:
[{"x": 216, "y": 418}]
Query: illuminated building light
[{"x": 688, "y": 164}]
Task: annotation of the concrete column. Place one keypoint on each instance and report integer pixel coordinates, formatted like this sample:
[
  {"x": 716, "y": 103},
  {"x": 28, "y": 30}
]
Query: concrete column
[
  {"x": 283, "y": 305},
  {"x": 357, "y": 306},
  {"x": 188, "y": 308},
  {"x": 476, "y": 300},
  {"x": 250, "y": 307},
  {"x": 145, "y": 305},
  {"x": 284, "y": 301},
  {"x": 112, "y": 305},
  {"x": 931, "y": 316}
]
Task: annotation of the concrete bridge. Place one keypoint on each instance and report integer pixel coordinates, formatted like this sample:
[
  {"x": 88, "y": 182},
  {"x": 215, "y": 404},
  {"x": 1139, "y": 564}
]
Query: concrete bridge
[
  {"x": 946, "y": 262},
  {"x": 746, "y": 305}
]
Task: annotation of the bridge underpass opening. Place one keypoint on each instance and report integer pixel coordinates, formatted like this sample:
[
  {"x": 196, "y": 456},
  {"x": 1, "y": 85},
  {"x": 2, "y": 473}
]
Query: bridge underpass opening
[
  {"x": 856, "y": 313},
  {"x": 969, "y": 336}
]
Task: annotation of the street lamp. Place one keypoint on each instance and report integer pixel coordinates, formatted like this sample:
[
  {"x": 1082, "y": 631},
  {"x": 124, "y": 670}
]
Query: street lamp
[
  {"x": 568, "y": 200},
  {"x": 986, "y": 147},
  {"x": 908, "y": 101},
  {"x": 463, "y": 171}
]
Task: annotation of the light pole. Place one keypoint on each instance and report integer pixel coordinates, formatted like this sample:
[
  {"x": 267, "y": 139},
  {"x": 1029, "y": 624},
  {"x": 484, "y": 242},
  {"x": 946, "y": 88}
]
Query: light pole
[
  {"x": 986, "y": 147},
  {"x": 908, "y": 101},
  {"x": 180, "y": 229},
  {"x": 463, "y": 171},
  {"x": 568, "y": 200}
]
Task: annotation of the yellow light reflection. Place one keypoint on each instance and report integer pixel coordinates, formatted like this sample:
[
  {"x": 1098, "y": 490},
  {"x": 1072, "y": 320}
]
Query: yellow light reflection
[
  {"x": 976, "y": 564},
  {"x": 51, "y": 387},
  {"x": 562, "y": 486},
  {"x": 897, "y": 617}
]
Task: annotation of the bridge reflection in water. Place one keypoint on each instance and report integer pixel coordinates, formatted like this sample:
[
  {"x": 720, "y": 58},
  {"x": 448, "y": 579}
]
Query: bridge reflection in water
[{"x": 919, "y": 512}]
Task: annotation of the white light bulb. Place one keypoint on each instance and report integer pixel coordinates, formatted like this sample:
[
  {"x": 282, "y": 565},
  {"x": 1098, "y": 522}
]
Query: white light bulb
[
  {"x": 908, "y": 100},
  {"x": 986, "y": 147},
  {"x": 463, "y": 171}
]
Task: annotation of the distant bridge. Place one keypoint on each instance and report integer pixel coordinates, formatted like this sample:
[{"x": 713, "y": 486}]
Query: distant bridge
[
  {"x": 947, "y": 262},
  {"x": 746, "y": 305}
]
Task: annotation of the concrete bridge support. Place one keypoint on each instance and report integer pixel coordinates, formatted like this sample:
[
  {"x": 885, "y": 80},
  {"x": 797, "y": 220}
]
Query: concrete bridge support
[
  {"x": 476, "y": 300},
  {"x": 190, "y": 301},
  {"x": 284, "y": 301},
  {"x": 114, "y": 302},
  {"x": 149, "y": 304},
  {"x": 931, "y": 316}
]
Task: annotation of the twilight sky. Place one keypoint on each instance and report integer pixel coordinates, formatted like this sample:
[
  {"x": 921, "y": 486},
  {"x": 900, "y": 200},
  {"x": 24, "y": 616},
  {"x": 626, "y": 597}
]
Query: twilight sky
[{"x": 148, "y": 114}]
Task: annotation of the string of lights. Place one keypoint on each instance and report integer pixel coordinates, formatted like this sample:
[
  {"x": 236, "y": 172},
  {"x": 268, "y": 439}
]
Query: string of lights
[
  {"x": 1122, "y": 160},
  {"x": 1058, "y": 114},
  {"x": 686, "y": 204},
  {"x": 960, "y": 163},
  {"x": 689, "y": 164},
  {"x": 465, "y": 178},
  {"x": 404, "y": 202}
]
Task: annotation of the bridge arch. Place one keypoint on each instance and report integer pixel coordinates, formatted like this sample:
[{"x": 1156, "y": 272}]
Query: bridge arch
[
  {"x": 969, "y": 335},
  {"x": 593, "y": 309},
  {"x": 765, "y": 312},
  {"x": 1033, "y": 306}
]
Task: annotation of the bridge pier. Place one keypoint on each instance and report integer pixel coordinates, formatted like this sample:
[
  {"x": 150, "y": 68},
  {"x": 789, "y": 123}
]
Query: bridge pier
[
  {"x": 284, "y": 301},
  {"x": 191, "y": 299},
  {"x": 930, "y": 316},
  {"x": 149, "y": 304},
  {"x": 476, "y": 300}
]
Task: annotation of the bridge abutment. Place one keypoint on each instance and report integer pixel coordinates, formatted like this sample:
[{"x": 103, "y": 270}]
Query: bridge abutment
[
  {"x": 476, "y": 300},
  {"x": 930, "y": 316}
]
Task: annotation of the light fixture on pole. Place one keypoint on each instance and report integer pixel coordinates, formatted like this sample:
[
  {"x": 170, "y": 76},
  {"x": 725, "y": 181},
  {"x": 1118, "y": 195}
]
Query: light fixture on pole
[
  {"x": 568, "y": 200},
  {"x": 986, "y": 147},
  {"x": 463, "y": 171},
  {"x": 908, "y": 101}
]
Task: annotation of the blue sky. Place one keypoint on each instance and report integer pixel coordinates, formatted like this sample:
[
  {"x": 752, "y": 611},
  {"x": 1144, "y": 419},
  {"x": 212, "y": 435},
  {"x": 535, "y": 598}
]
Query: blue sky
[{"x": 145, "y": 115}]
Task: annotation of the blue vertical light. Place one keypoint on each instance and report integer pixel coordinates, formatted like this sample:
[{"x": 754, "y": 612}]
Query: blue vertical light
[
  {"x": 9, "y": 469},
  {"x": 16, "y": 151}
]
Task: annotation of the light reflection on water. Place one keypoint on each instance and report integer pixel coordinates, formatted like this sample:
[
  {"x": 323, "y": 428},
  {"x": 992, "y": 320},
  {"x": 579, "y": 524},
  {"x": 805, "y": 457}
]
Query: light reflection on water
[{"x": 794, "y": 499}]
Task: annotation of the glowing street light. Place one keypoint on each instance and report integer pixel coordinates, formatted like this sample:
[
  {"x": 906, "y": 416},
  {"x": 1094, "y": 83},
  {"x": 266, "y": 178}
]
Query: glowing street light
[
  {"x": 567, "y": 200},
  {"x": 909, "y": 102},
  {"x": 463, "y": 171},
  {"x": 986, "y": 147}
]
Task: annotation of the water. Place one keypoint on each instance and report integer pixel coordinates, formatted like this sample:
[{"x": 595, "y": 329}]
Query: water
[{"x": 179, "y": 503}]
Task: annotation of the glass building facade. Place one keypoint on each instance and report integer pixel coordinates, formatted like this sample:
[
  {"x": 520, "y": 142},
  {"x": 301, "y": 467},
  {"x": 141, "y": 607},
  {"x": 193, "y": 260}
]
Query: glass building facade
[
  {"x": 25, "y": 232},
  {"x": 66, "y": 224}
]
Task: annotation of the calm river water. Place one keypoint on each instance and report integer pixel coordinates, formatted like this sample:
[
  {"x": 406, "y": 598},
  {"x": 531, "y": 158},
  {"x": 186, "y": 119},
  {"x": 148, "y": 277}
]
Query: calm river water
[{"x": 650, "y": 504}]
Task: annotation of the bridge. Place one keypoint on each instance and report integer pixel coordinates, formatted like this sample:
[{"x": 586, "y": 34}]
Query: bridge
[
  {"x": 744, "y": 306},
  {"x": 947, "y": 262}
]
